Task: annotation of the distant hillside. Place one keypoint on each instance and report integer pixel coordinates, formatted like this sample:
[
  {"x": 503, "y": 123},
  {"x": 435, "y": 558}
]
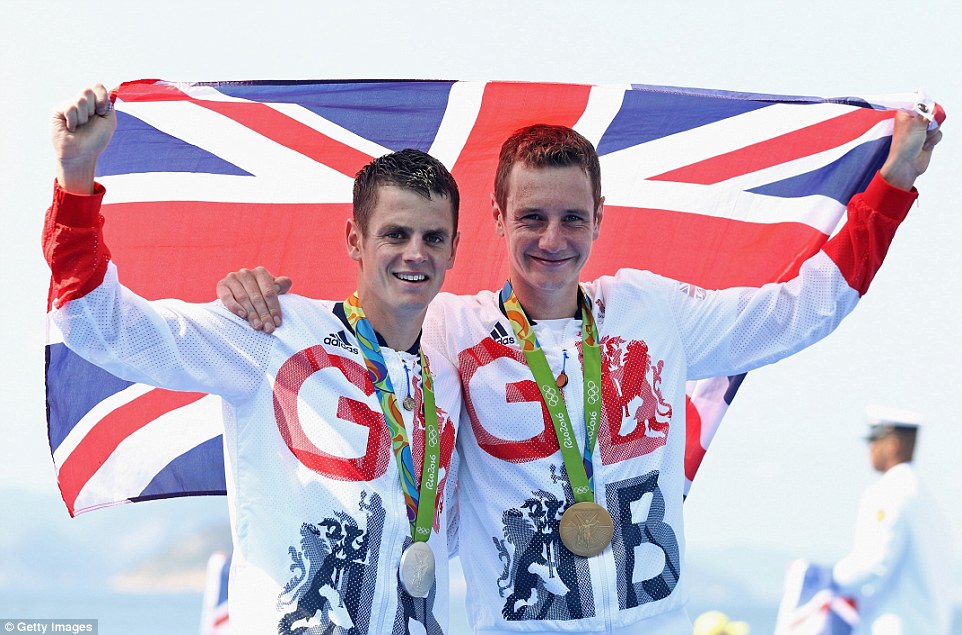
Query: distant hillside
[
  {"x": 163, "y": 546},
  {"x": 181, "y": 566},
  {"x": 723, "y": 575},
  {"x": 41, "y": 547}
]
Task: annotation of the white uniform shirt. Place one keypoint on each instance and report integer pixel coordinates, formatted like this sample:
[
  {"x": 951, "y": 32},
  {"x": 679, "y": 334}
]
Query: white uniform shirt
[{"x": 899, "y": 569}]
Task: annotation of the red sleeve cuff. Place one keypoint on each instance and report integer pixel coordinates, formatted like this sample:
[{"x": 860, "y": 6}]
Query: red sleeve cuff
[
  {"x": 888, "y": 200},
  {"x": 73, "y": 244},
  {"x": 77, "y": 210}
]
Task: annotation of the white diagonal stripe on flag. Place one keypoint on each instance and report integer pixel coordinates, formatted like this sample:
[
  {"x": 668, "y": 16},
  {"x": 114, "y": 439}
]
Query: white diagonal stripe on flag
[
  {"x": 281, "y": 174},
  {"x": 604, "y": 103},
  {"x": 719, "y": 201},
  {"x": 329, "y": 128},
  {"x": 93, "y": 417},
  {"x": 710, "y": 140},
  {"x": 809, "y": 162},
  {"x": 141, "y": 456},
  {"x": 464, "y": 104}
]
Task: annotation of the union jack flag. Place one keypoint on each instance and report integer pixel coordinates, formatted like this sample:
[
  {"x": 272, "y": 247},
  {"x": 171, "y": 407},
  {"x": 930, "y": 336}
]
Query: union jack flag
[
  {"x": 713, "y": 188},
  {"x": 214, "y": 619},
  {"x": 810, "y": 605},
  {"x": 692, "y": 291}
]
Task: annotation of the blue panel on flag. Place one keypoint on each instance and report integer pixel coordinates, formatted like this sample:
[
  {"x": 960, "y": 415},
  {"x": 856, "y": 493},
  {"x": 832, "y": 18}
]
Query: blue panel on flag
[
  {"x": 224, "y": 579},
  {"x": 200, "y": 469},
  {"x": 734, "y": 382},
  {"x": 396, "y": 115},
  {"x": 74, "y": 387},
  {"x": 137, "y": 147},
  {"x": 840, "y": 180},
  {"x": 645, "y": 116}
]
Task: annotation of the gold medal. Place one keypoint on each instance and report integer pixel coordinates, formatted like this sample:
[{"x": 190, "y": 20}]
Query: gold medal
[
  {"x": 586, "y": 529},
  {"x": 408, "y": 403},
  {"x": 562, "y": 380},
  {"x": 417, "y": 569}
]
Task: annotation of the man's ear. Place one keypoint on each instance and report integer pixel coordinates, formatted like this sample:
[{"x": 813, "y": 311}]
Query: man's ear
[
  {"x": 599, "y": 213},
  {"x": 454, "y": 249},
  {"x": 354, "y": 239},
  {"x": 497, "y": 215}
]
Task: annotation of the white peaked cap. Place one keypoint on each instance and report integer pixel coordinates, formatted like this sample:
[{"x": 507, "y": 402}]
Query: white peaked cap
[
  {"x": 884, "y": 415},
  {"x": 883, "y": 420}
]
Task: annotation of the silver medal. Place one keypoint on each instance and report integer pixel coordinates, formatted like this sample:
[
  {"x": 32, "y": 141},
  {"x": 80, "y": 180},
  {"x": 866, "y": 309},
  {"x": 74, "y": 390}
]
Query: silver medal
[{"x": 417, "y": 569}]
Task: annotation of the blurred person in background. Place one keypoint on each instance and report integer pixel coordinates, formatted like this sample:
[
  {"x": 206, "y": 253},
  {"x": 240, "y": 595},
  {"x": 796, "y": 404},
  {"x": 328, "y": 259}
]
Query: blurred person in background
[{"x": 899, "y": 569}]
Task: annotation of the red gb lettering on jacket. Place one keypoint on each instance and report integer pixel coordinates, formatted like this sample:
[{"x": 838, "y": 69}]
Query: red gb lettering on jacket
[
  {"x": 543, "y": 444},
  {"x": 291, "y": 376},
  {"x": 635, "y": 418}
]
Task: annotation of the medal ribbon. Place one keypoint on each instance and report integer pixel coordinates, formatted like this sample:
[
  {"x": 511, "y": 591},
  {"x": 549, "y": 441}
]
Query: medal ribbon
[
  {"x": 580, "y": 473},
  {"x": 420, "y": 516}
]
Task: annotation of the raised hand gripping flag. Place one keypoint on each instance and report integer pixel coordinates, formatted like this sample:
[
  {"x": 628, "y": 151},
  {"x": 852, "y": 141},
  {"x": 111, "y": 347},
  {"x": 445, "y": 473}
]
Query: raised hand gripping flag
[{"x": 713, "y": 188}]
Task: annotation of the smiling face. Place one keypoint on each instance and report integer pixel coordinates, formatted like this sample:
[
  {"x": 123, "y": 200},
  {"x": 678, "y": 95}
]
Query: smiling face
[
  {"x": 409, "y": 244},
  {"x": 549, "y": 222}
]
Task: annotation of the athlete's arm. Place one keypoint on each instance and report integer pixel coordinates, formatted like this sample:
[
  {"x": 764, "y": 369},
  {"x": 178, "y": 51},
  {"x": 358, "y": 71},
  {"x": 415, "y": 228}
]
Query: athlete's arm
[
  {"x": 738, "y": 329},
  {"x": 168, "y": 343}
]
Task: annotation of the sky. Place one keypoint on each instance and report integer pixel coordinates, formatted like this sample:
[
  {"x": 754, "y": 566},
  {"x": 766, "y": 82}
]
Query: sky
[{"x": 787, "y": 468}]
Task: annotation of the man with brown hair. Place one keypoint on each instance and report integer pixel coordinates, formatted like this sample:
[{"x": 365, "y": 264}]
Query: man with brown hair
[{"x": 339, "y": 431}]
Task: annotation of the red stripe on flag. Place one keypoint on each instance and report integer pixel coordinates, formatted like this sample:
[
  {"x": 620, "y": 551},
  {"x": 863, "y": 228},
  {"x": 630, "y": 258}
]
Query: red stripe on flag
[
  {"x": 740, "y": 254},
  {"x": 148, "y": 90},
  {"x": 104, "y": 438},
  {"x": 787, "y": 147},
  {"x": 263, "y": 119},
  {"x": 205, "y": 241},
  {"x": 694, "y": 452},
  {"x": 293, "y": 134},
  {"x": 939, "y": 114},
  {"x": 195, "y": 244}
]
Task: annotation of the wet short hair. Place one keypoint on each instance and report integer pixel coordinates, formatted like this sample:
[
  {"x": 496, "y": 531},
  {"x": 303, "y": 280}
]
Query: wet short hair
[
  {"x": 543, "y": 146},
  {"x": 409, "y": 169}
]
